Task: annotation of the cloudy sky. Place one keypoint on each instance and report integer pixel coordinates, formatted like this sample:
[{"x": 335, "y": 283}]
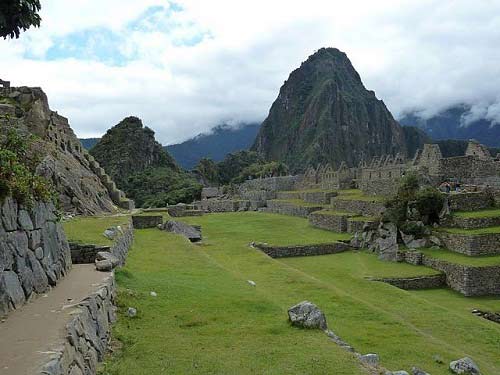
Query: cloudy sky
[{"x": 186, "y": 66}]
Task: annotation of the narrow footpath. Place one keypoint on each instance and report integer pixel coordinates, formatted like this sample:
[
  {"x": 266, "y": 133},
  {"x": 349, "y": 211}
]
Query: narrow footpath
[{"x": 30, "y": 334}]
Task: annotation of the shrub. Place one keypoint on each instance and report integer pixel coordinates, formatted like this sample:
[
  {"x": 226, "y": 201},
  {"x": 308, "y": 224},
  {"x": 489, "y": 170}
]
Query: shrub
[
  {"x": 18, "y": 161},
  {"x": 429, "y": 202}
]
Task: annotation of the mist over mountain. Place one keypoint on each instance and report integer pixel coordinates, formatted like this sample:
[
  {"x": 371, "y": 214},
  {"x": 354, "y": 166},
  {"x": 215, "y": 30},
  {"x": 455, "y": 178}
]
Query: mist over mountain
[
  {"x": 222, "y": 140},
  {"x": 454, "y": 123}
]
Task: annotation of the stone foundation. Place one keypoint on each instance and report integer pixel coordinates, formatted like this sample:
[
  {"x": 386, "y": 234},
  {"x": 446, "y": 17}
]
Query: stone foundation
[
  {"x": 85, "y": 254},
  {"x": 318, "y": 197},
  {"x": 329, "y": 221},
  {"x": 471, "y": 244},
  {"x": 365, "y": 208},
  {"x": 415, "y": 283},
  {"x": 34, "y": 252},
  {"x": 472, "y": 201},
  {"x": 303, "y": 250},
  {"x": 291, "y": 209},
  {"x": 470, "y": 222},
  {"x": 150, "y": 221},
  {"x": 467, "y": 280},
  {"x": 223, "y": 205},
  {"x": 358, "y": 224},
  {"x": 87, "y": 334}
]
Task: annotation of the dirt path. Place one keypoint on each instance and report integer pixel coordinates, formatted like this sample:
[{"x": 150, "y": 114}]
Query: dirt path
[{"x": 28, "y": 334}]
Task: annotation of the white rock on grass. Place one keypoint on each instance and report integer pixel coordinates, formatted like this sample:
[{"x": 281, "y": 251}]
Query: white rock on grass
[
  {"x": 153, "y": 294},
  {"x": 252, "y": 283},
  {"x": 131, "y": 312},
  {"x": 464, "y": 366}
]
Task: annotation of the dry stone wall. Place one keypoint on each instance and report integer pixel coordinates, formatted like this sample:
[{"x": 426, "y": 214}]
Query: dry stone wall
[
  {"x": 87, "y": 334},
  {"x": 471, "y": 201},
  {"x": 468, "y": 280},
  {"x": 85, "y": 254},
  {"x": 366, "y": 208},
  {"x": 472, "y": 245},
  {"x": 289, "y": 208},
  {"x": 470, "y": 222},
  {"x": 34, "y": 252},
  {"x": 414, "y": 283},
  {"x": 303, "y": 250},
  {"x": 329, "y": 221},
  {"x": 146, "y": 221}
]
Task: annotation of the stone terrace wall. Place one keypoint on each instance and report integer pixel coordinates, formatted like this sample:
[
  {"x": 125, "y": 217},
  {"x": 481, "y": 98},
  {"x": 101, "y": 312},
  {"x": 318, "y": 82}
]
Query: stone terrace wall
[
  {"x": 472, "y": 245},
  {"x": 146, "y": 221},
  {"x": 291, "y": 209},
  {"x": 414, "y": 283},
  {"x": 122, "y": 244},
  {"x": 468, "y": 280},
  {"x": 472, "y": 201},
  {"x": 318, "y": 197},
  {"x": 367, "y": 208},
  {"x": 34, "y": 252},
  {"x": 85, "y": 254},
  {"x": 303, "y": 250},
  {"x": 328, "y": 221},
  {"x": 223, "y": 205},
  {"x": 87, "y": 334},
  {"x": 271, "y": 184},
  {"x": 470, "y": 222}
]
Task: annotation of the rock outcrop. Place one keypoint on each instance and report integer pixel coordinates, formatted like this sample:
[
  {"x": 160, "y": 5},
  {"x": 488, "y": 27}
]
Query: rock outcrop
[
  {"x": 82, "y": 185},
  {"x": 324, "y": 114},
  {"x": 192, "y": 233},
  {"x": 307, "y": 315}
]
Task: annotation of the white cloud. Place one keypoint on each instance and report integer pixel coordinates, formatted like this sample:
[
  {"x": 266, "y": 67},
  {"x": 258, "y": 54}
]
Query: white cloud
[{"x": 425, "y": 55}]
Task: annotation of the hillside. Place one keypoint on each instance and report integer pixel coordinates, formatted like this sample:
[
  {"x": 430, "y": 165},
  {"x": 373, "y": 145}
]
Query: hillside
[
  {"x": 141, "y": 167},
  {"x": 63, "y": 160},
  {"x": 324, "y": 114},
  {"x": 449, "y": 125},
  {"x": 219, "y": 142}
]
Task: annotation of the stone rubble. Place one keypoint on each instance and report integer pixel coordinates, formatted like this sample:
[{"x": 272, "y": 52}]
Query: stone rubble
[
  {"x": 307, "y": 315},
  {"x": 464, "y": 366}
]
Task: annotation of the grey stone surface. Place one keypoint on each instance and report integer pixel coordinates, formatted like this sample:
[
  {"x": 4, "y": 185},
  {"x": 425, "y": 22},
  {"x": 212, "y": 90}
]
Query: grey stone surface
[
  {"x": 131, "y": 312},
  {"x": 303, "y": 250},
  {"x": 464, "y": 366},
  {"x": 370, "y": 359},
  {"x": 190, "y": 232},
  {"x": 9, "y": 282},
  {"x": 24, "y": 220},
  {"x": 417, "y": 371},
  {"x": 106, "y": 255},
  {"x": 307, "y": 315},
  {"x": 146, "y": 221},
  {"x": 103, "y": 265}
]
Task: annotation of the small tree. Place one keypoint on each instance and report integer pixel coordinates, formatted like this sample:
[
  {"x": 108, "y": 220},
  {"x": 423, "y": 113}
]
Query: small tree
[{"x": 17, "y": 16}]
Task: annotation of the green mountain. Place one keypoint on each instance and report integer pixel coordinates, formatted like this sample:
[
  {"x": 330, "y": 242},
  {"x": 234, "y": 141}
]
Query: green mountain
[
  {"x": 88, "y": 143},
  {"x": 219, "y": 142},
  {"x": 141, "y": 167},
  {"x": 323, "y": 113}
]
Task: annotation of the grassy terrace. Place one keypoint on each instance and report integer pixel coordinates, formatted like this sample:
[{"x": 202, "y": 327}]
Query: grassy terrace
[
  {"x": 356, "y": 194},
  {"x": 452, "y": 257},
  {"x": 487, "y": 230},
  {"x": 318, "y": 190},
  {"x": 495, "y": 212},
  {"x": 335, "y": 213},
  {"x": 89, "y": 230},
  {"x": 207, "y": 319}
]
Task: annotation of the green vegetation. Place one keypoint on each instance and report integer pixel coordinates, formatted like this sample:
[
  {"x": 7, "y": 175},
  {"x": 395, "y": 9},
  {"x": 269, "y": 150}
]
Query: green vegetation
[
  {"x": 363, "y": 218},
  {"x": 236, "y": 168},
  {"x": 413, "y": 205},
  {"x": 205, "y": 310},
  {"x": 487, "y": 230},
  {"x": 358, "y": 195},
  {"x": 89, "y": 230},
  {"x": 452, "y": 257},
  {"x": 494, "y": 212},
  {"x": 142, "y": 168},
  {"x": 19, "y": 157},
  {"x": 17, "y": 16}
]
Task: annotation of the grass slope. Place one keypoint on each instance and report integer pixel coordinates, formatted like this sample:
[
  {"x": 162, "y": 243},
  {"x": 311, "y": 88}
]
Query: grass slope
[
  {"x": 207, "y": 319},
  {"x": 89, "y": 230},
  {"x": 494, "y": 212},
  {"x": 487, "y": 230},
  {"x": 450, "y": 256}
]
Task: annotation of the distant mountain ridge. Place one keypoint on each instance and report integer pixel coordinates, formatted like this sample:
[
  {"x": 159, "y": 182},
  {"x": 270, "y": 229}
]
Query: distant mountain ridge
[
  {"x": 221, "y": 141},
  {"x": 448, "y": 125}
]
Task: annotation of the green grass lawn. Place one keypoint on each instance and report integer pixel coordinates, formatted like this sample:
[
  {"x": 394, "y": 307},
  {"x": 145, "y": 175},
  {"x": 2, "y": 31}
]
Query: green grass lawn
[
  {"x": 208, "y": 320},
  {"x": 358, "y": 195},
  {"x": 89, "y": 230},
  {"x": 451, "y": 256},
  {"x": 494, "y": 212},
  {"x": 487, "y": 230}
]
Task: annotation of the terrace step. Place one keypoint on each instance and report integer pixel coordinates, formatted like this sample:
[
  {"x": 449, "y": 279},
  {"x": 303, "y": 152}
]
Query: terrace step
[
  {"x": 339, "y": 221},
  {"x": 473, "y": 220},
  {"x": 292, "y": 208},
  {"x": 361, "y": 207},
  {"x": 470, "y": 243}
]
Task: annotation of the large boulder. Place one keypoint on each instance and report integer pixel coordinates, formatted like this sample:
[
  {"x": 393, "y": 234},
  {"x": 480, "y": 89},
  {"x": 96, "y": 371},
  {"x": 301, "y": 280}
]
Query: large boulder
[
  {"x": 307, "y": 315},
  {"x": 192, "y": 233},
  {"x": 464, "y": 366},
  {"x": 106, "y": 255},
  {"x": 387, "y": 243}
]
